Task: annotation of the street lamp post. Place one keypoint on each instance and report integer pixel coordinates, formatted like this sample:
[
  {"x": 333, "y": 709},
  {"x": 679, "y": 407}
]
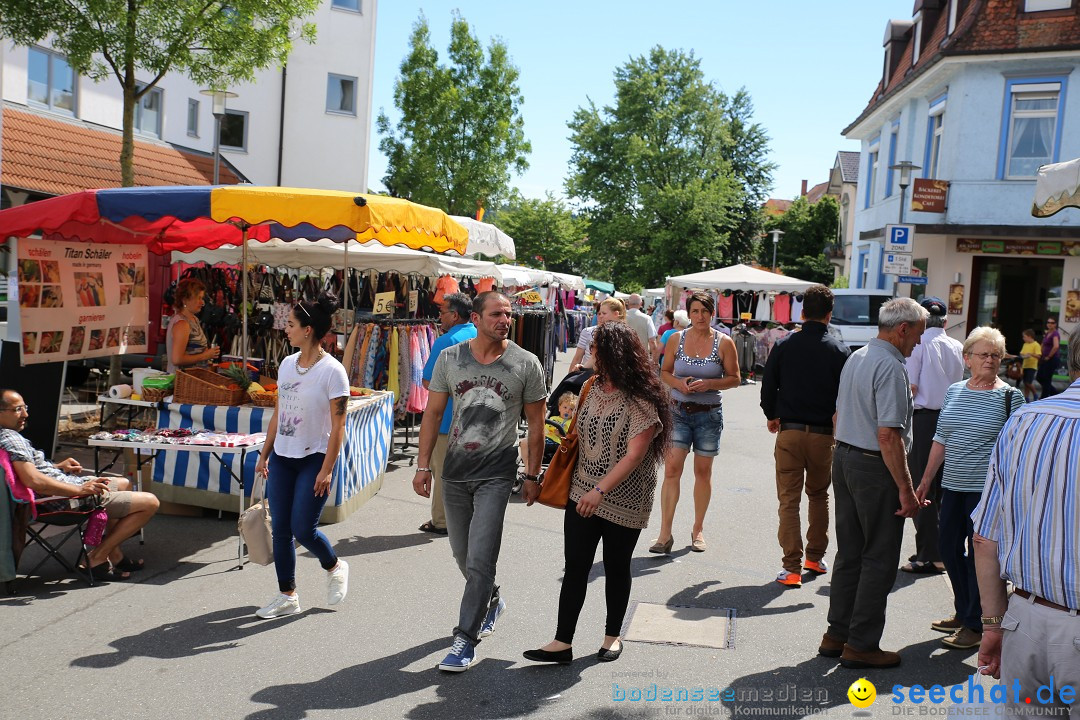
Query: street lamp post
[
  {"x": 905, "y": 167},
  {"x": 704, "y": 262},
  {"x": 218, "y": 109},
  {"x": 776, "y": 233}
]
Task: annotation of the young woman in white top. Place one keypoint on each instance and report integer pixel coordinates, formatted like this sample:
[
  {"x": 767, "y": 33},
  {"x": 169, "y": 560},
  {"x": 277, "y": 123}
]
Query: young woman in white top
[{"x": 302, "y": 445}]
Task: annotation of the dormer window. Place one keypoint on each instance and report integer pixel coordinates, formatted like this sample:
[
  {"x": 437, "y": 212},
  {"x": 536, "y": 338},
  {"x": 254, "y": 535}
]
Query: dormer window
[
  {"x": 916, "y": 45},
  {"x": 896, "y": 35},
  {"x": 1040, "y": 5}
]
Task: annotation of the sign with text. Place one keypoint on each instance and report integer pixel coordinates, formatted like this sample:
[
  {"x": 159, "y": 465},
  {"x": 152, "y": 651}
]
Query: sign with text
[
  {"x": 78, "y": 300},
  {"x": 414, "y": 300},
  {"x": 912, "y": 279},
  {"x": 896, "y": 263},
  {"x": 899, "y": 238},
  {"x": 384, "y": 303},
  {"x": 928, "y": 195},
  {"x": 1018, "y": 247}
]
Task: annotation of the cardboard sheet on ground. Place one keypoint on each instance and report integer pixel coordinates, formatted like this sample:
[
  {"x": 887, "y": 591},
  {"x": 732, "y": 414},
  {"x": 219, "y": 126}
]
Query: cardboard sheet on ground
[{"x": 681, "y": 625}]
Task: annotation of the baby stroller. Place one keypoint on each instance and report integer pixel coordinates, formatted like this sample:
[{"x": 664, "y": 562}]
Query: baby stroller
[{"x": 550, "y": 448}]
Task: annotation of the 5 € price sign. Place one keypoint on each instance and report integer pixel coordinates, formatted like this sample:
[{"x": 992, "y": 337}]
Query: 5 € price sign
[{"x": 384, "y": 303}]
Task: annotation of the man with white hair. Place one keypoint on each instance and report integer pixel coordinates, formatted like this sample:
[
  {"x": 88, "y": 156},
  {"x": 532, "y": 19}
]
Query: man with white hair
[
  {"x": 643, "y": 326},
  {"x": 873, "y": 488},
  {"x": 1026, "y": 531}
]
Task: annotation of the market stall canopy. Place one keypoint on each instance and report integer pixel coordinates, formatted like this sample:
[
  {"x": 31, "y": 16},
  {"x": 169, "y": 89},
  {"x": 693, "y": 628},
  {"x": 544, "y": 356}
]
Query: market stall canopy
[
  {"x": 738, "y": 277},
  {"x": 325, "y": 253},
  {"x": 486, "y": 239},
  {"x": 517, "y": 275},
  {"x": 1057, "y": 187},
  {"x": 185, "y": 218},
  {"x": 600, "y": 285},
  {"x": 568, "y": 281}
]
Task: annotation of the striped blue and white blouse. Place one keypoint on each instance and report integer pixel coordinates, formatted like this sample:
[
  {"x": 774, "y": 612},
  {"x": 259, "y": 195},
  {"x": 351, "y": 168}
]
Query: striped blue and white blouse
[
  {"x": 1031, "y": 504},
  {"x": 968, "y": 427}
]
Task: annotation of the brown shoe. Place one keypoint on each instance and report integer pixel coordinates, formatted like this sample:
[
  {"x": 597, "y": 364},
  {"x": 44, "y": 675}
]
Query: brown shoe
[
  {"x": 948, "y": 625},
  {"x": 963, "y": 639},
  {"x": 852, "y": 658},
  {"x": 830, "y": 646}
]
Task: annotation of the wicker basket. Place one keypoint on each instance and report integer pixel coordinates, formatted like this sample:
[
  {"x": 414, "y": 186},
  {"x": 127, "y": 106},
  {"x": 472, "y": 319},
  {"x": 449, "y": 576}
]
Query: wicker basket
[
  {"x": 263, "y": 399},
  {"x": 154, "y": 394},
  {"x": 197, "y": 386}
]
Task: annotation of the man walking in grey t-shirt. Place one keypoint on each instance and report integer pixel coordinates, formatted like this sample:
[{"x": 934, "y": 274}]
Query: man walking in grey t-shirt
[
  {"x": 491, "y": 379},
  {"x": 872, "y": 486}
]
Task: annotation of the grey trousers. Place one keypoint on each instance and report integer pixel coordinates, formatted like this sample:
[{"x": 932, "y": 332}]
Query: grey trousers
[
  {"x": 474, "y": 520},
  {"x": 1040, "y": 643},
  {"x": 868, "y": 538}
]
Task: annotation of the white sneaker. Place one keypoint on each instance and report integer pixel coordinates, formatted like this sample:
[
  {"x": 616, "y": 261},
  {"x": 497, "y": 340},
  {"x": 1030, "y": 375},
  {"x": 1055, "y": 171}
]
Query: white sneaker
[
  {"x": 280, "y": 606},
  {"x": 338, "y": 584}
]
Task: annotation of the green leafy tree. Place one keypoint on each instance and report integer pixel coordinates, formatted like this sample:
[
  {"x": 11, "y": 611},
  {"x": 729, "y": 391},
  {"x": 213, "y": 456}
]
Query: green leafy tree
[
  {"x": 212, "y": 42},
  {"x": 546, "y": 233},
  {"x": 673, "y": 171},
  {"x": 808, "y": 230},
  {"x": 460, "y": 132}
]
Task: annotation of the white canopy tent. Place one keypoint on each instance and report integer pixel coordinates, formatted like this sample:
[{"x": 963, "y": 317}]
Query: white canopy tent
[
  {"x": 1057, "y": 187},
  {"x": 738, "y": 277},
  {"x": 518, "y": 275},
  {"x": 326, "y": 253},
  {"x": 568, "y": 281},
  {"x": 485, "y": 238}
]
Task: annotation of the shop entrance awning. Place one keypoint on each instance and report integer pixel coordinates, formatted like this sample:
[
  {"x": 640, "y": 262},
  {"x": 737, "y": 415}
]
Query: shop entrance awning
[
  {"x": 1057, "y": 187},
  {"x": 600, "y": 285}
]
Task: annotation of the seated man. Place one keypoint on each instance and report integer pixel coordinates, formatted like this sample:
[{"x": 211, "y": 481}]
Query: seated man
[{"x": 128, "y": 511}]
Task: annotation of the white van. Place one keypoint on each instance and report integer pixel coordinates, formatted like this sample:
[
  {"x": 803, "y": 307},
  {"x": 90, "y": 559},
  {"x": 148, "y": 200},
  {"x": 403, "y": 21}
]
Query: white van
[{"x": 855, "y": 315}]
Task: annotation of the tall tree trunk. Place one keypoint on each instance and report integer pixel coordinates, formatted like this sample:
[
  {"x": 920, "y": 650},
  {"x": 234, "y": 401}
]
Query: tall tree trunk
[{"x": 127, "y": 143}]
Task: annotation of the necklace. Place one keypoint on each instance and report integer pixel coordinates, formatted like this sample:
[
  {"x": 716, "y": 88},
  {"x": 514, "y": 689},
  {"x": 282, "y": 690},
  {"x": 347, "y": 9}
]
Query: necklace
[
  {"x": 305, "y": 370},
  {"x": 981, "y": 386}
]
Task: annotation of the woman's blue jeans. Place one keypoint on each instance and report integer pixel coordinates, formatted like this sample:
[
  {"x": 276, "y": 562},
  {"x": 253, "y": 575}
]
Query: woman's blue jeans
[{"x": 294, "y": 513}]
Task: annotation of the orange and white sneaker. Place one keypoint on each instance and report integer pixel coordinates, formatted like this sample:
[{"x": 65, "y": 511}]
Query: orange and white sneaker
[
  {"x": 818, "y": 567},
  {"x": 789, "y": 578}
]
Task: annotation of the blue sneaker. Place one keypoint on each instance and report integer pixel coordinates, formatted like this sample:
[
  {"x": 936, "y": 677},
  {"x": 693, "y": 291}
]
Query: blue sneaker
[
  {"x": 461, "y": 656},
  {"x": 493, "y": 615}
]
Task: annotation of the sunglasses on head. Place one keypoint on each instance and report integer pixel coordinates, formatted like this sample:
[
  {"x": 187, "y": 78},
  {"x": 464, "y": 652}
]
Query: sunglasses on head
[{"x": 301, "y": 306}]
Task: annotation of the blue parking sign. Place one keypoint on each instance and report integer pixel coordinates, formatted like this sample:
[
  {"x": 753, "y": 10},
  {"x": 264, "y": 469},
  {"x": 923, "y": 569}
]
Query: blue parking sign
[{"x": 899, "y": 238}]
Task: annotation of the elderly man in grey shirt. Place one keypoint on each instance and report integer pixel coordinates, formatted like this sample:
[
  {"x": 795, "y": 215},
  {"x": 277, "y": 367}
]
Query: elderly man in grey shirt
[{"x": 874, "y": 491}]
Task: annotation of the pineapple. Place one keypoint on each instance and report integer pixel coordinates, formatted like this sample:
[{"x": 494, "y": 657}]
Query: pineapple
[{"x": 238, "y": 375}]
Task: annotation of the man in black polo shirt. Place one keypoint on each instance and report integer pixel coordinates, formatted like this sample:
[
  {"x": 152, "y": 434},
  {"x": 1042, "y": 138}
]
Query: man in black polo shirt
[{"x": 798, "y": 395}]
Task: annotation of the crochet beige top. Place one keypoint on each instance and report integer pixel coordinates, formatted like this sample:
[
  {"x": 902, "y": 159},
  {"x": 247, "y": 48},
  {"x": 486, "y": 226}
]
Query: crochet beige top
[{"x": 605, "y": 423}]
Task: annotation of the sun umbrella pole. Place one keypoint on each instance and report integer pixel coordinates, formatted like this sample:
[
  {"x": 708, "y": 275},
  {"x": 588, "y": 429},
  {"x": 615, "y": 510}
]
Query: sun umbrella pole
[
  {"x": 244, "y": 295},
  {"x": 345, "y": 289}
]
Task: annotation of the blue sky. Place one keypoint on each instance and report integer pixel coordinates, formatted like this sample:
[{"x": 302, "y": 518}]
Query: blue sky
[{"x": 810, "y": 67}]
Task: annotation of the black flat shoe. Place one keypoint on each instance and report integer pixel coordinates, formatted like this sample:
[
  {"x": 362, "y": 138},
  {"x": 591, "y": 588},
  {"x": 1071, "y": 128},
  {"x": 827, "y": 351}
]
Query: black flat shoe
[
  {"x": 563, "y": 657},
  {"x": 609, "y": 655}
]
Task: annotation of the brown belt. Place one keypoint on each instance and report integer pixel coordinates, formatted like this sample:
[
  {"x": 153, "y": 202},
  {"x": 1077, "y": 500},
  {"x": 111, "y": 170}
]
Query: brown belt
[
  {"x": 689, "y": 407},
  {"x": 803, "y": 427},
  {"x": 1040, "y": 601}
]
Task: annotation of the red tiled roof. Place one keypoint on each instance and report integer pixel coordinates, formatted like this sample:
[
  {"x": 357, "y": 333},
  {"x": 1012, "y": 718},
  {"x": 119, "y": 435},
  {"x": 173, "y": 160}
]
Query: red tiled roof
[
  {"x": 774, "y": 207},
  {"x": 985, "y": 27},
  {"x": 817, "y": 192},
  {"x": 56, "y": 156}
]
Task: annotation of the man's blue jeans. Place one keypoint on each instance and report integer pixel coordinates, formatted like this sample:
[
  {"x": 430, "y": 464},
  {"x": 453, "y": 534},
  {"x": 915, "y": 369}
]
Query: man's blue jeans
[
  {"x": 475, "y": 511},
  {"x": 294, "y": 512}
]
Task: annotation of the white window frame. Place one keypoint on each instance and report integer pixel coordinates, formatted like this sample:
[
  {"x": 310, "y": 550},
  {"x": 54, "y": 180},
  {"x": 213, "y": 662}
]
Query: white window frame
[
  {"x": 347, "y": 5},
  {"x": 51, "y": 56},
  {"x": 1043, "y": 5},
  {"x": 193, "y": 119},
  {"x": 934, "y": 135},
  {"x": 952, "y": 17},
  {"x": 916, "y": 46},
  {"x": 160, "y": 115},
  {"x": 872, "y": 162},
  {"x": 331, "y": 77},
  {"x": 247, "y": 118},
  {"x": 1036, "y": 91}
]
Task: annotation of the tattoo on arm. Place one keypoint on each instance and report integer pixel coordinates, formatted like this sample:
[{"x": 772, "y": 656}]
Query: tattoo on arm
[{"x": 339, "y": 406}]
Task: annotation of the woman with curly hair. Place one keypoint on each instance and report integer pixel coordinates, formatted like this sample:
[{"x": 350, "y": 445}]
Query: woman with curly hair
[{"x": 623, "y": 426}]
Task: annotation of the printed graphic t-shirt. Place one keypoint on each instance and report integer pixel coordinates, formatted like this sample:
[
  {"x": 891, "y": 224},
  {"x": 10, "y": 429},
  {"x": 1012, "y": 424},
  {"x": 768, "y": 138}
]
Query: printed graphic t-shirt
[
  {"x": 303, "y": 422},
  {"x": 482, "y": 442}
]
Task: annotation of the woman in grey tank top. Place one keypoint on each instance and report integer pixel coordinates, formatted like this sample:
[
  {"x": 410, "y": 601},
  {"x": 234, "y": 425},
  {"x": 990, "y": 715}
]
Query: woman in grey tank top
[{"x": 699, "y": 362}]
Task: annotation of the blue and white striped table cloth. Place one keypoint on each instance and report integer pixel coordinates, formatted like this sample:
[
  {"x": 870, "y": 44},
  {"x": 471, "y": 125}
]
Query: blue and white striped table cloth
[{"x": 198, "y": 479}]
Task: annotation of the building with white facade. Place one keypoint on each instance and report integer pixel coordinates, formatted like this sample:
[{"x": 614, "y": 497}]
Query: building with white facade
[
  {"x": 307, "y": 124},
  {"x": 977, "y": 94}
]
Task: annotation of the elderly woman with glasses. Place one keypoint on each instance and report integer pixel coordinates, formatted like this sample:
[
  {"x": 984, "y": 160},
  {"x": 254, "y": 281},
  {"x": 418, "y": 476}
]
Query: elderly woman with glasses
[{"x": 972, "y": 415}]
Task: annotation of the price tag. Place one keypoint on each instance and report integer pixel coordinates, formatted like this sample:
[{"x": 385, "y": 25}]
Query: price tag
[
  {"x": 531, "y": 297},
  {"x": 384, "y": 303},
  {"x": 414, "y": 300}
]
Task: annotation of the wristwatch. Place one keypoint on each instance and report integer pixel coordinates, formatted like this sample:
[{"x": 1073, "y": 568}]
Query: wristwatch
[
  {"x": 995, "y": 620},
  {"x": 532, "y": 478}
]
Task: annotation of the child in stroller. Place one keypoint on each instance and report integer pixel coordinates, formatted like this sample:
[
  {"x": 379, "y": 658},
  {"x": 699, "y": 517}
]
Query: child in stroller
[{"x": 555, "y": 428}]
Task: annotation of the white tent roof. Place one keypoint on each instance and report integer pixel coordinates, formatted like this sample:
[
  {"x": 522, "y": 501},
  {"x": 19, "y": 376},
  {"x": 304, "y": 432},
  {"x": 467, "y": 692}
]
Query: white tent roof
[
  {"x": 568, "y": 281},
  {"x": 738, "y": 277},
  {"x": 1057, "y": 187},
  {"x": 326, "y": 253},
  {"x": 486, "y": 238},
  {"x": 518, "y": 275}
]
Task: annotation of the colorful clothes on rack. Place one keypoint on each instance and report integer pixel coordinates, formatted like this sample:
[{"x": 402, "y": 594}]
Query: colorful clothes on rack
[
  {"x": 796, "y": 308},
  {"x": 392, "y": 380},
  {"x": 782, "y": 308},
  {"x": 725, "y": 307}
]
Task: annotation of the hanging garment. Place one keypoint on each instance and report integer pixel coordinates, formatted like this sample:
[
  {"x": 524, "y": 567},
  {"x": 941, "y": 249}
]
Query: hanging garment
[
  {"x": 782, "y": 308},
  {"x": 418, "y": 394},
  {"x": 764, "y": 309},
  {"x": 404, "y": 369},
  {"x": 369, "y": 360},
  {"x": 725, "y": 306},
  {"x": 796, "y": 308},
  {"x": 392, "y": 380},
  {"x": 444, "y": 286}
]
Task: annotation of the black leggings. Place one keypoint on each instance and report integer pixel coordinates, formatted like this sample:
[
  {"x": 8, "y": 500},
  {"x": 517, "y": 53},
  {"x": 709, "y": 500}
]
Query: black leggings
[{"x": 580, "y": 538}]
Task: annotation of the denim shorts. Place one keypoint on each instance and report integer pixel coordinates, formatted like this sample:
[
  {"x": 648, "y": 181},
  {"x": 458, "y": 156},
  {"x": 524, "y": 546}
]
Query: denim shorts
[{"x": 698, "y": 431}]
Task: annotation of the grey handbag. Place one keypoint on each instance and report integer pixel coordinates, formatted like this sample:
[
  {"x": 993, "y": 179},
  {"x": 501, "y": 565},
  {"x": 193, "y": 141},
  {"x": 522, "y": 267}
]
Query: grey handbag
[{"x": 254, "y": 526}]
